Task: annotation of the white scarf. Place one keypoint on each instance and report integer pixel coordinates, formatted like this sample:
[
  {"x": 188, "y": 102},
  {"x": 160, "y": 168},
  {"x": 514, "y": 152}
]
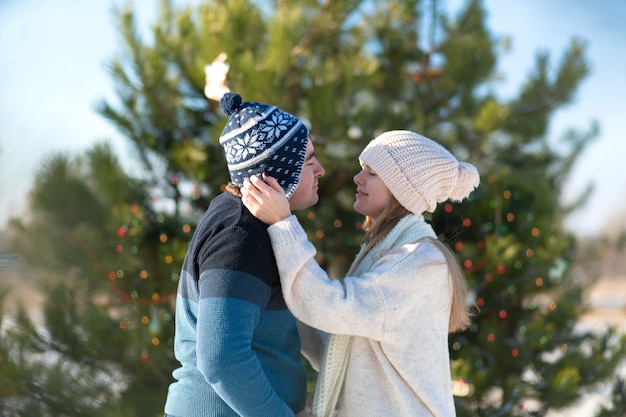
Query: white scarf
[{"x": 409, "y": 229}]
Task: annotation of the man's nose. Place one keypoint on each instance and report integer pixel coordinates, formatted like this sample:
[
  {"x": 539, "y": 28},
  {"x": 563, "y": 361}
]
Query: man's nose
[{"x": 321, "y": 170}]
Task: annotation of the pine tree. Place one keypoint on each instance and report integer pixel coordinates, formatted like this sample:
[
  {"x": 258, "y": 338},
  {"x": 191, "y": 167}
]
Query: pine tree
[
  {"x": 108, "y": 245},
  {"x": 107, "y": 263}
]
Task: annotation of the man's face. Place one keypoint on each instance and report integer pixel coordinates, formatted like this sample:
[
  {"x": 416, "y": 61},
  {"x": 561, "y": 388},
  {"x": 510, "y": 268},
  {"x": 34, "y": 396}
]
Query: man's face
[{"x": 306, "y": 193}]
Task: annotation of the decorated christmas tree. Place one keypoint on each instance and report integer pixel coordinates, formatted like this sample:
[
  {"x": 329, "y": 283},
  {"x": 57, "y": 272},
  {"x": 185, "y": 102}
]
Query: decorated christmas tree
[{"x": 106, "y": 246}]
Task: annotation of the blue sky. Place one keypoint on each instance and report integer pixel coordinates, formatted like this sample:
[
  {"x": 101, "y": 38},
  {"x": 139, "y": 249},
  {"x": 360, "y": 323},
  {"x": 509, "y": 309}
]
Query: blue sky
[{"x": 52, "y": 73}]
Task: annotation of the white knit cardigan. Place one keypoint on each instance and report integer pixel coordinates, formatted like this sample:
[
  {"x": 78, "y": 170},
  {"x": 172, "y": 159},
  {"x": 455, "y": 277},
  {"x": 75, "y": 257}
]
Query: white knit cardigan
[{"x": 396, "y": 307}]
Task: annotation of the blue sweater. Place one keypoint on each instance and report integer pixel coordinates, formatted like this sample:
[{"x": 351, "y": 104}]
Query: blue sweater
[{"x": 237, "y": 343}]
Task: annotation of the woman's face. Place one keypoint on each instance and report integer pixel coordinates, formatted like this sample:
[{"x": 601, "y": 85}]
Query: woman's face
[{"x": 372, "y": 195}]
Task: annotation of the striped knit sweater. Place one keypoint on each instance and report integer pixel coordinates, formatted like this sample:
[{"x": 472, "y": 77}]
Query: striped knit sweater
[{"x": 237, "y": 343}]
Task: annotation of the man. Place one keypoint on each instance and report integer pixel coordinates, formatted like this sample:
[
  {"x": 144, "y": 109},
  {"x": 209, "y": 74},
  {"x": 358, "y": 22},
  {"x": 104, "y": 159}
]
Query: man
[{"x": 237, "y": 342}]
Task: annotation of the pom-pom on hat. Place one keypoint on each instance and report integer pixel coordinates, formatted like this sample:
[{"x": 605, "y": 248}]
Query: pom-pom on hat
[
  {"x": 419, "y": 172},
  {"x": 262, "y": 138}
]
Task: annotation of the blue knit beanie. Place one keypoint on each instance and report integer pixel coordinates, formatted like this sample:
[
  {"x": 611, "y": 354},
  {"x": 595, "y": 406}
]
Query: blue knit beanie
[{"x": 262, "y": 138}]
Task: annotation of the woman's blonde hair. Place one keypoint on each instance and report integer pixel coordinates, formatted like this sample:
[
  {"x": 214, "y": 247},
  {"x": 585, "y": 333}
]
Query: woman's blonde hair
[{"x": 376, "y": 230}]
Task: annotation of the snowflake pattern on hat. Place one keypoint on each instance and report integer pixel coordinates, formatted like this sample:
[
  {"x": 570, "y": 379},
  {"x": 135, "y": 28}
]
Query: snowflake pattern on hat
[
  {"x": 277, "y": 125},
  {"x": 248, "y": 145}
]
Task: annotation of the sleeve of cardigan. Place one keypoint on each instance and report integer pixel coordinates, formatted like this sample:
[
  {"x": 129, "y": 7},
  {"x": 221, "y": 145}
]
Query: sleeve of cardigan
[
  {"x": 228, "y": 312},
  {"x": 361, "y": 305},
  {"x": 313, "y": 297}
]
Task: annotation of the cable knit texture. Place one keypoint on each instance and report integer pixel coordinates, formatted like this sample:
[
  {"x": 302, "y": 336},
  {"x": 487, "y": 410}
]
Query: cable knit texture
[
  {"x": 418, "y": 171},
  {"x": 393, "y": 312}
]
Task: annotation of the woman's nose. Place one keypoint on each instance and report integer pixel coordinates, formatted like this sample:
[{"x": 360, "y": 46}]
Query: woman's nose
[{"x": 357, "y": 178}]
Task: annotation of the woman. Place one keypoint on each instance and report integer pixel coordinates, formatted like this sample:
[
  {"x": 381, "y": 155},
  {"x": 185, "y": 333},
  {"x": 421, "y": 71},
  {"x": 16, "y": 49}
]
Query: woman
[{"x": 391, "y": 315}]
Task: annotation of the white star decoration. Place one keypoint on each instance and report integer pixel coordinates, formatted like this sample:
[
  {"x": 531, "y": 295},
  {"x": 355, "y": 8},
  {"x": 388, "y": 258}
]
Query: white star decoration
[{"x": 215, "y": 73}]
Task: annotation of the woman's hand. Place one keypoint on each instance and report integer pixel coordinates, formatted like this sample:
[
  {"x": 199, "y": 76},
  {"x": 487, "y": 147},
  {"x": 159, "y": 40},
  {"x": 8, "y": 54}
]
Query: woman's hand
[{"x": 265, "y": 200}]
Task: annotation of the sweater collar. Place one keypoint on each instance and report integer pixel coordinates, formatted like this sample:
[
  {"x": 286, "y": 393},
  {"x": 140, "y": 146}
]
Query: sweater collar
[{"x": 410, "y": 229}]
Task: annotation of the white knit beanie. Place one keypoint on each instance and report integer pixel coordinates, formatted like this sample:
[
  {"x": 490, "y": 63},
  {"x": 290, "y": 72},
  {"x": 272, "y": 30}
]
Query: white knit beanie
[{"x": 419, "y": 172}]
